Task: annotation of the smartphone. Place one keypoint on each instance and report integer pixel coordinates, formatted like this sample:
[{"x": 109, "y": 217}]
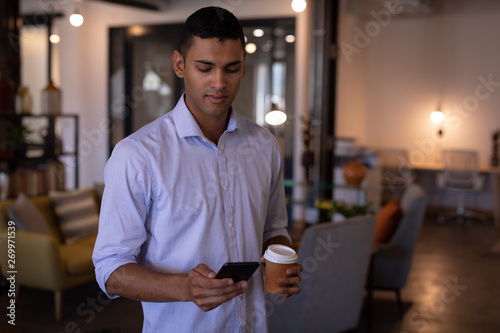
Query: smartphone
[{"x": 238, "y": 271}]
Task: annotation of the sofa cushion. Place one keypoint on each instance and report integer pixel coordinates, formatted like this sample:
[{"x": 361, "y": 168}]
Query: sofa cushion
[
  {"x": 76, "y": 212},
  {"x": 27, "y": 216},
  {"x": 77, "y": 258},
  {"x": 387, "y": 221}
]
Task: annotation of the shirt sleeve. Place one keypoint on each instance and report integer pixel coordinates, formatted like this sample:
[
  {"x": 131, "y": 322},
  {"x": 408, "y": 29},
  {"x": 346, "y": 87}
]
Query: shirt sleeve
[
  {"x": 124, "y": 209},
  {"x": 276, "y": 219}
]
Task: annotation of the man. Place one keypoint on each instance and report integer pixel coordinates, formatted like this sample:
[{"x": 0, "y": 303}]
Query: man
[{"x": 194, "y": 189}]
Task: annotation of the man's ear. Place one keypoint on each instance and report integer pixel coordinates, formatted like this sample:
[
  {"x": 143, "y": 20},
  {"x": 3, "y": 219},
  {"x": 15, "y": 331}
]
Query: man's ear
[
  {"x": 244, "y": 64},
  {"x": 178, "y": 63}
]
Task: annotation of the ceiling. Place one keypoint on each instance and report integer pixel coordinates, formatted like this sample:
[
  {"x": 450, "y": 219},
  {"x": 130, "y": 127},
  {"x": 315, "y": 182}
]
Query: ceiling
[{"x": 155, "y": 5}]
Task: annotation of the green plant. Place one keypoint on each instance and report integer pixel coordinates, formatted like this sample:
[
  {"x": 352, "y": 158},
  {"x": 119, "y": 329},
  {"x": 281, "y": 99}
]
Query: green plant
[
  {"x": 15, "y": 135},
  {"x": 346, "y": 210}
]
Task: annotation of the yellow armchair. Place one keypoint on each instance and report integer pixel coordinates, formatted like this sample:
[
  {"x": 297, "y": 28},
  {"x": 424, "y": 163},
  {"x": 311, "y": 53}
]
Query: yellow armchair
[{"x": 43, "y": 261}]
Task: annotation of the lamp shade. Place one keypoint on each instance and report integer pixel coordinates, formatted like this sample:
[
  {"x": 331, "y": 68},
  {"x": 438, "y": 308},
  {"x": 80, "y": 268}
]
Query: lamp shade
[{"x": 275, "y": 117}]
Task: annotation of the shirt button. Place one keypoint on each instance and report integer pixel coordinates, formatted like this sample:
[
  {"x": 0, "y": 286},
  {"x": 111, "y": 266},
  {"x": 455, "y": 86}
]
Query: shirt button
[
  {"x": 239, "y": 298},
  {"x": 230, "y": 225},
  {"x": 225, "y": 188}
]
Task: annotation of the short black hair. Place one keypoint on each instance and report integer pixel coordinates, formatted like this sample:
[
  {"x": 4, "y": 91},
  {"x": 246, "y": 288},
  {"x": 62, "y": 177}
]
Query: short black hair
[{"x": 210, "y": 22}]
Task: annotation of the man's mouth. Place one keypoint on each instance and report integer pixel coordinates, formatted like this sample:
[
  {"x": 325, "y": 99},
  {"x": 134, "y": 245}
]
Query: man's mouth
[{"x": 216, "y": 98}]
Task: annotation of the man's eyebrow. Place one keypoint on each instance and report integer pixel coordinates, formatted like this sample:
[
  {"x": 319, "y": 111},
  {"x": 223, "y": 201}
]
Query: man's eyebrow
[{"x": 206, "y": 62}]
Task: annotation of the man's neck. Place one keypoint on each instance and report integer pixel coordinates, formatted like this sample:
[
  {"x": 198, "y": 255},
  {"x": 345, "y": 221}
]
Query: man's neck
[{"x": 213, "y": 127}]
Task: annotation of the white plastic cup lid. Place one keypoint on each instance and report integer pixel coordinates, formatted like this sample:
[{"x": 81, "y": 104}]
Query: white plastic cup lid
[{"x": 280, "y": 254}]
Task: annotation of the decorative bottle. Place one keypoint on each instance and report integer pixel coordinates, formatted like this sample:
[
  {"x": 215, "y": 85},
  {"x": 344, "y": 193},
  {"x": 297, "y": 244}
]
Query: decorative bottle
[
  {"x": 24, "y": 104},
  {"x": 51, "y": 100},
  {"x": 56, "y": 175}
]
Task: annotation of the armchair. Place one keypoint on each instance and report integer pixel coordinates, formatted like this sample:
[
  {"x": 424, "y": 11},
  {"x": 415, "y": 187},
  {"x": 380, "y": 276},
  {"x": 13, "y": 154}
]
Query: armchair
[
  {"x": 43, "y": 261},
  {"x": 392, "y": 262},
  {"x": 335, "y": 257}
]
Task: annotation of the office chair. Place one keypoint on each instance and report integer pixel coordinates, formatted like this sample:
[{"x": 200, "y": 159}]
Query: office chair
[{"x": 461, "y": 176}]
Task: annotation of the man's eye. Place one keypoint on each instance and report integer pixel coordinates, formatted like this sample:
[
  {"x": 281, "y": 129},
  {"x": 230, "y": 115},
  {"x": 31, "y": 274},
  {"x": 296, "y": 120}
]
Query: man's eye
[
  {"x": 203, "y": 70},
  {"x": 232, "y": 70}
]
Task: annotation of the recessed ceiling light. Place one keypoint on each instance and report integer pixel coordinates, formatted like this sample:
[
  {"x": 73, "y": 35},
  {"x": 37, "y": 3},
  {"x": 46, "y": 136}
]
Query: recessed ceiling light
[
  {"x": 54, "y": 38},
  {"x": 258, "y": 32},
  {"x": 250, "y": 48}
]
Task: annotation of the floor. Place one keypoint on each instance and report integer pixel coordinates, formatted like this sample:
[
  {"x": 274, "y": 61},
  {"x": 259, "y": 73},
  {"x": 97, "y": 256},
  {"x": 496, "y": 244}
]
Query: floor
[{"x": 454, "y": 286}]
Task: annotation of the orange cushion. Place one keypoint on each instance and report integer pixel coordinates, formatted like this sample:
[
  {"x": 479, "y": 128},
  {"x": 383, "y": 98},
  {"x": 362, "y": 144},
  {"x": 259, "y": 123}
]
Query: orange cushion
[{"x": 387, "y": 221}]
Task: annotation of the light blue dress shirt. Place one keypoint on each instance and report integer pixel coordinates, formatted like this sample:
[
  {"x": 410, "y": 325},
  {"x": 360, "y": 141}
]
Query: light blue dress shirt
[{"x": 173, "y": 200}]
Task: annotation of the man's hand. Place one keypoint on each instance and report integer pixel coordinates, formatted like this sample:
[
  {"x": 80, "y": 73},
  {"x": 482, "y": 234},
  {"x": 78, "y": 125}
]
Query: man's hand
[
  {"x": 207, "y": 292},
  {"x": 289, "y": 285}
]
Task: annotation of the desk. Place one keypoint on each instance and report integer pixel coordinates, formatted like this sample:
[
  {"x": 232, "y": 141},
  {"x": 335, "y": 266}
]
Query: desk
[{"x": 494, "y": 174}]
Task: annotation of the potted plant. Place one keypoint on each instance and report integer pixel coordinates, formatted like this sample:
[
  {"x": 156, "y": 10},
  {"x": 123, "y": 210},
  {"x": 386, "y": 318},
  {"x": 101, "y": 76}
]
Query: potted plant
[
  {"x": 15, "y": 139},
  {"x": 337, "y": 210}
]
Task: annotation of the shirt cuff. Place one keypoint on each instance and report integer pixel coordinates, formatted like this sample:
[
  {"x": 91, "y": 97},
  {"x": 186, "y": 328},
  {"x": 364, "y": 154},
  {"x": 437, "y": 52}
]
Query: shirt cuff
[
  {"x": 281, "y": 232},
  {"x": 104, "y": 268}
]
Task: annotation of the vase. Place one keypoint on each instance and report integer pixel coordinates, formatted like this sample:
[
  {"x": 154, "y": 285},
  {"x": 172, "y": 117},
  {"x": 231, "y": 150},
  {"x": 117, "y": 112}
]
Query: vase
[{"x": 354, "y": 173}]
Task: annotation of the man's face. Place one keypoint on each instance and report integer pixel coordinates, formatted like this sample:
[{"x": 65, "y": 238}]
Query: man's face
[{"x": 212, "y": 73}]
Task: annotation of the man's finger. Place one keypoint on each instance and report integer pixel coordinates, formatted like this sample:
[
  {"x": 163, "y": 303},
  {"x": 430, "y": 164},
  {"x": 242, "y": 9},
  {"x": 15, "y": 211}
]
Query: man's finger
[
  {"x": 205, "y": 271},
  {"x": 294, "y": 270},
  {"x": 215, "y": 297}
]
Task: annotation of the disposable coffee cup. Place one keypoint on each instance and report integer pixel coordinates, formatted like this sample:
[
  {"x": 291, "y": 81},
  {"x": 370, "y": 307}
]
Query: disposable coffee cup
[{"x": 278, "y": 259}]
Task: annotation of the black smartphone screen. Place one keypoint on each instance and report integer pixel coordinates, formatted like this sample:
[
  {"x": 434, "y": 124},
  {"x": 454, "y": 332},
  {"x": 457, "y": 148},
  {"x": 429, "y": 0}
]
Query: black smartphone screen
[{"x": 238, "y": 271}]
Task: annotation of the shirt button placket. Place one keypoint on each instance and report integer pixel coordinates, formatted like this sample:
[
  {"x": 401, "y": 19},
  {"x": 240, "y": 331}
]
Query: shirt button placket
[{"x": 228, "y": 214}]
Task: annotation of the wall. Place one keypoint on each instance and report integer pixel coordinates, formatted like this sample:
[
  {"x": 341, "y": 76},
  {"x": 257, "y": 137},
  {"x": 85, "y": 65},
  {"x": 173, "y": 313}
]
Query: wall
[
  {"x": 84, "y": 60},
  {"x": 351, "y": 83},
  {"x": 411, "y": 64}
]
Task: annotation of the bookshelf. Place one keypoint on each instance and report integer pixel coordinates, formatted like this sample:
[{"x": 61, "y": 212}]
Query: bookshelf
[{"x": 39, "y": 153}]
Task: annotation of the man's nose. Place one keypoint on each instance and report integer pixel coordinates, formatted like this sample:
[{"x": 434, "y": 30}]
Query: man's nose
[{"x": 219, "y": 80}]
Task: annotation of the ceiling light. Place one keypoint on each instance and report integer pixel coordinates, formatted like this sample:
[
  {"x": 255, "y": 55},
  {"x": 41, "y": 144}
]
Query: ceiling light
[
  {"x": 250, "y": 48},
  {"x": 290, "y": 38},
  {"x": 54, "y": 38},
  {"x": 258, "y": 32},
  {"x": 76, "y": 19},
  {"x": 138, "y": 30},
  {"x": 299, "y": 5},
  {"x": 275, "y": 117}
]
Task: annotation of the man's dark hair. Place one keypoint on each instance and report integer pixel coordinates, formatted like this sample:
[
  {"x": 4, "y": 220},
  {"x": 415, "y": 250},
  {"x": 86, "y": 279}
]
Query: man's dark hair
[{"x": 210, "y": 22}]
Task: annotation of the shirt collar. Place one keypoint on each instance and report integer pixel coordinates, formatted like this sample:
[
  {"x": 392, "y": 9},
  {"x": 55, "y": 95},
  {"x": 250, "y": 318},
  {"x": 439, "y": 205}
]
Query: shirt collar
[{"x": 186, "y": 125}]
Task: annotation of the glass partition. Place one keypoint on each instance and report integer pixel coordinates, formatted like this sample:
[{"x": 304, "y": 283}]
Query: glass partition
[{"x": 143, "y": 85}]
